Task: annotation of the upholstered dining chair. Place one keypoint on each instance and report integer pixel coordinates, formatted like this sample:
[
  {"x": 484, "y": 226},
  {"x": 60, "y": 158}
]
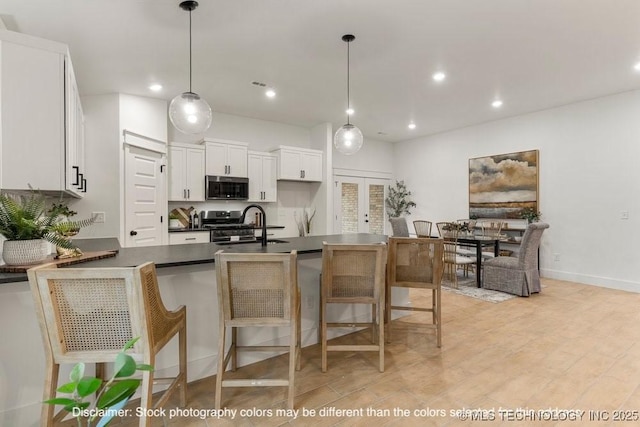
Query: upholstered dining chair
[
  {"x": 422, "y": 227},
  {"x": 399, "y": 227},
  {"x": 89, "y": 314},
  {"x": 517, "y": 275},
  {"x": 257, "y": 290},
  {"x": 353, "y": 274},
  {"x": 416, "y": 263}
]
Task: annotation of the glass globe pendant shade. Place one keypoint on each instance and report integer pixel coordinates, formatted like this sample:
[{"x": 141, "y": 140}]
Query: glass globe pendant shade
[
  {"x": 189, "y": 113},
  {"x": 348, "y": 139}
]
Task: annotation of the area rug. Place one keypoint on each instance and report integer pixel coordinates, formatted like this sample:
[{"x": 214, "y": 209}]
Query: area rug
[{"x": 467, "y": 287}]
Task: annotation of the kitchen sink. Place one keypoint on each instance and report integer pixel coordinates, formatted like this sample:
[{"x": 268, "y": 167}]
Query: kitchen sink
[{"x": 246, "y": 242}]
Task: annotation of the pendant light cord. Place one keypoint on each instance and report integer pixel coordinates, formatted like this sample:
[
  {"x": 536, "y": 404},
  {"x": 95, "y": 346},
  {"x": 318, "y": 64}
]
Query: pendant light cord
[
  {"x": 190, "y": 50},
  {"x": 348, "y": 88}
]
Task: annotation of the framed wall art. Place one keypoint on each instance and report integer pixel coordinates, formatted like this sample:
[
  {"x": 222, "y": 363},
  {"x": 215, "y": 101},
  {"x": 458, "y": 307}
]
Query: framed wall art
[{"x": 502, "y": 186}]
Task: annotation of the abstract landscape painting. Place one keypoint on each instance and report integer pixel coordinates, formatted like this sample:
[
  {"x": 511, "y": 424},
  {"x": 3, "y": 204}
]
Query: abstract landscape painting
[{"x": 502, "y": 186}]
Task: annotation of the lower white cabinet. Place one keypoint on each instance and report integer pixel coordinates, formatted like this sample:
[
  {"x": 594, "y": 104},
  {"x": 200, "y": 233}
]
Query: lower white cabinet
[
  {"x": 183, "y": 237},
  {"x": 262, "y": 177}
]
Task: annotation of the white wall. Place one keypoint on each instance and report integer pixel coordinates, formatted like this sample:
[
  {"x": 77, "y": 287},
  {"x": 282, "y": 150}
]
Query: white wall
[
  {"x": 376, "y": 156},
  {"x": 589, "y": 174},
  {"x": 105, "y": 118},
  {"x": 262, "y": 135}
]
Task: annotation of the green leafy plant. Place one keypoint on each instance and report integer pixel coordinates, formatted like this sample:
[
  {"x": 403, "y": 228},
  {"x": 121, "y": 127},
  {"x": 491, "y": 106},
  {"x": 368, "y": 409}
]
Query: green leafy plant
[
  {"x": 530, "y": 214},
  {"x": 110, "y": 399},
  {"x": 25, "y": 217},
  {"x": 398, "y": 200}
]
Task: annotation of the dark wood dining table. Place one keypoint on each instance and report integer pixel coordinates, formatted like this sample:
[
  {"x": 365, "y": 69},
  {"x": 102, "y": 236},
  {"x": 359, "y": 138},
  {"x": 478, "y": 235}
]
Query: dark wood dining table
[{"x": 479, "y": 242}]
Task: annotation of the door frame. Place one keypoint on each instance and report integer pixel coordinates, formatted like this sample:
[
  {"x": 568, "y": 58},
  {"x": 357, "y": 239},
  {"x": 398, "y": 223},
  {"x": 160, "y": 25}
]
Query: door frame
[
  {"x": 366, "y": 177},
  {"x": 141, "y": 142}
]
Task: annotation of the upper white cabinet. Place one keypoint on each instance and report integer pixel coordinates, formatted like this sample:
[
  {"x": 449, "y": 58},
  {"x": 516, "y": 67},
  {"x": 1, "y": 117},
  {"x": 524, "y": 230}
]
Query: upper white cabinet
[
  {"x": 299, "y": 164},
  {"x": 41, "y": 120},
  {"x": 262, "y": 177},
  {"x": 226, "y": 158},
  {"x": 186, "y": 172}
]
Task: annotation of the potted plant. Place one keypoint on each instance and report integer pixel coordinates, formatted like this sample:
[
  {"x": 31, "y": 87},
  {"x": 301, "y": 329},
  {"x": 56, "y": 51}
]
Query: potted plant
[
  {"x": 29, "y": 227},
  {"x": 398, "y": 200},
  {"x": 530, "y": 214}
]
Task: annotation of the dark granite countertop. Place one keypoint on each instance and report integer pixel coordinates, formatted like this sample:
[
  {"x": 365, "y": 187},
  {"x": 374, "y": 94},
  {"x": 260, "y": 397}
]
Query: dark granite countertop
[
  {"x": 198, "y": 253},
  {"x": 181, "y": 230}
]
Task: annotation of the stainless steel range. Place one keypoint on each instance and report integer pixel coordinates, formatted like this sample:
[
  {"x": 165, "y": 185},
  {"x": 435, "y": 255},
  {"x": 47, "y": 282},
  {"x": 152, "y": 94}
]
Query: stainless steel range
[{"x": 225, "y": 226}]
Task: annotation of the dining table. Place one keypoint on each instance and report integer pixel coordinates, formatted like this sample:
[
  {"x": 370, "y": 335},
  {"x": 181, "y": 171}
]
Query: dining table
[{"x": 479, "y": 241}]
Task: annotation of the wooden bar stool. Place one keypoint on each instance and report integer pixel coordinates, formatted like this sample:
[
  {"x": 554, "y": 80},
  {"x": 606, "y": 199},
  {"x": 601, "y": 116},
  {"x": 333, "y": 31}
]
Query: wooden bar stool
[
  {"x": 257, "y": 290},
  {"x": 416, "y": 263},
  {"x": 89, "y": 314},
  {"x": 353, "y": 274}
]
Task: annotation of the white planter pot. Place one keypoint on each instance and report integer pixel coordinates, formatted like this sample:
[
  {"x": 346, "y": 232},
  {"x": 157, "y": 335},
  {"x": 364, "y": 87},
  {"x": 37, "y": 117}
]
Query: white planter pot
[{"x": 25, "y": 252}]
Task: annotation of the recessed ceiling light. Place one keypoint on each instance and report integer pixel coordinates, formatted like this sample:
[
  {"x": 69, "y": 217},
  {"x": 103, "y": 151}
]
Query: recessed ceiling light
[
  {"x": 270, "y": 93},
  {"x": 439, "y": 76},
  {"x": 637, "y": 66},
  {"x": 496, "y": 104},
  {"x": 350, "y": 111},
  {"x": 156, "y": 87},
  {"x": 412, "y": 125}
]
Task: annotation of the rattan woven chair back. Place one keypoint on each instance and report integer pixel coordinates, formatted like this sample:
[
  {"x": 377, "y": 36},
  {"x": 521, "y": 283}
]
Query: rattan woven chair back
[
  {"x": 257, "y": 290},
  {"x": 423, "y": 228},
  {"x": 416, "y": 263},
  {"x": 399, "y": 227},
  {"x": 353, "y": 274},
  {"x": 89, "y": 314}
]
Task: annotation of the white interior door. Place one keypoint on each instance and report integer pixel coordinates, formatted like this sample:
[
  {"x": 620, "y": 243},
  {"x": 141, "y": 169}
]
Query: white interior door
[
  {"x": 145, "y": 201},
  {"x": 359, "y": 205}
]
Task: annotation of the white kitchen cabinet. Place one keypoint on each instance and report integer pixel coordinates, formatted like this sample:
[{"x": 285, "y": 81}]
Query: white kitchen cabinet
[
  {"x": 299, "y": 164},
  {"x": 186, "y": 172},
  {"x": 226, "y": 158},
  {"x": 185, "y": 237},
  {"x": 262, "y": 177},
  {"x": 41, "y": 120}
]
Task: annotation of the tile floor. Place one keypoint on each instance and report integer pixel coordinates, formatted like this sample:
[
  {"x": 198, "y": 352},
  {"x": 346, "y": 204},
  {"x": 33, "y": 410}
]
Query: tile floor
[{"x": 572, "y": 347}]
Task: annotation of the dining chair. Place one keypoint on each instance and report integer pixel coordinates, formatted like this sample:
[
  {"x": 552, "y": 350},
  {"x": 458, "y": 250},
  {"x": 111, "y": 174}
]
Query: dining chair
[
  {"x": 257, "y": 290},
  {"x": 453, "y": 259},
  {"x": 399, "y": 227},
  {"x": 353, "y": 274},
  {"x": 517, "y": 275},
  {"x": 89, "y": 314},
  {"x": 446, "y": 229},
  {"x": 416, "y": 263},
  {"x": 422, "y": 227}
]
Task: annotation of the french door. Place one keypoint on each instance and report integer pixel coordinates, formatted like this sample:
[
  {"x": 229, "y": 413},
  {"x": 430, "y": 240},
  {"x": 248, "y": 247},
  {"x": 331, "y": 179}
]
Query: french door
[{"x": 359, "y": 205}]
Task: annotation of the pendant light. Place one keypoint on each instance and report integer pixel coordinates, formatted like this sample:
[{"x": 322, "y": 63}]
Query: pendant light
[
  {"x": 348, "y": 139},
  {"x": 188, "y": 112}
]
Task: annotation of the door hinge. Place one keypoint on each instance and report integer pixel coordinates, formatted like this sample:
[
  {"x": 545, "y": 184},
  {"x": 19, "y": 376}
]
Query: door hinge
[
  {"x": 162, "y": 168},
  {"x": 161, "y": 220}
]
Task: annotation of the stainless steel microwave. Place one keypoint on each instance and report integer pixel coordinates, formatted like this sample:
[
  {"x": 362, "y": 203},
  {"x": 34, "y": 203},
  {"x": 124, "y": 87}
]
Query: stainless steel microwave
[{"x": 226, "y": 188}]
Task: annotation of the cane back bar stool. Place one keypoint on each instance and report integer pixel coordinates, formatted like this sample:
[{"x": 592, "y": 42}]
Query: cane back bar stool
[
  {"x": 89, "y": 314},
  {"x": 422, "y": 227},
  {"x": 416, "y": 263},
  {"x": 257, "y": 290},
  {"x": 353, "y": 274}
]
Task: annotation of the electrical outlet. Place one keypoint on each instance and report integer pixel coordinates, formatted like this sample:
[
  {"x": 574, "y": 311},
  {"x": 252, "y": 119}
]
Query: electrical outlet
[
  {"x": 624, "y": 215},
  {"x": 556, "y": 257},
  {"x": 99, "y": 216}
]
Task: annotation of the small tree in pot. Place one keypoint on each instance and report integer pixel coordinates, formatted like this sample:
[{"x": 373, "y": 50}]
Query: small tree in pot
[{"x": 398, "y": 200}]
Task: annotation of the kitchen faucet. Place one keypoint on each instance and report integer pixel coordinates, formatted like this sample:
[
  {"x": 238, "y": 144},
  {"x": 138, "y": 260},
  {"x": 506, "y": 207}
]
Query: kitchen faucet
[{"x": 264, "y": 221}]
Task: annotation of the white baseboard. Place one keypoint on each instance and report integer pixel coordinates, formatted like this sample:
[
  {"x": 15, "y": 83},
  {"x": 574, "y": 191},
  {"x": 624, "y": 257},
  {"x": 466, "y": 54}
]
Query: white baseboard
[{"x": 605, "y": 282}]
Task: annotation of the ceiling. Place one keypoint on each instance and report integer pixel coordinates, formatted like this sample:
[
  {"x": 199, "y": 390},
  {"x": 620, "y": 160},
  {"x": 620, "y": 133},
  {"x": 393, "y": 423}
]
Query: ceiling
[{"x": 531, "y": 54}]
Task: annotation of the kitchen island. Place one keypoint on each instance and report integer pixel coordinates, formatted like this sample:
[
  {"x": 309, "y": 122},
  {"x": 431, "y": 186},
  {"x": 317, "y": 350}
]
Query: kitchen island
[{"x": 186, "y": 276}]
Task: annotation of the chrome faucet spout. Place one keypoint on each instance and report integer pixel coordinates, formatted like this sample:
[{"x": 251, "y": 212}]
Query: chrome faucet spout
[{"x": 263, "y": 238}]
